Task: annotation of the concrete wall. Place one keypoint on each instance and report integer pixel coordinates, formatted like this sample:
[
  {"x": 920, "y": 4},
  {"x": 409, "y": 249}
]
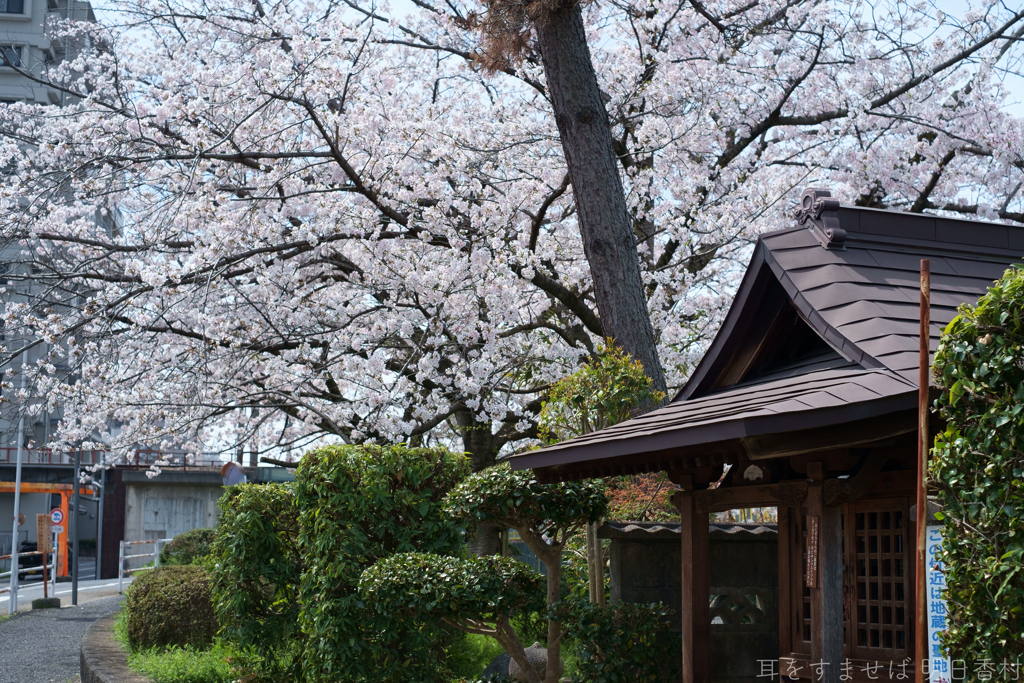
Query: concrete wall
[
  {"x": 167, "y": 505},
  {"x": 646, "y": 558}
]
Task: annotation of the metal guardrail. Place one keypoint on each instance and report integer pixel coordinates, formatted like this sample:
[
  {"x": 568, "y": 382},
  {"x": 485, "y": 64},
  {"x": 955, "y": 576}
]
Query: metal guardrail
[
  {"x": 122, "y": 571},
  {"x": 51, "y": 567},
  {"x": 141, "y": 458}
]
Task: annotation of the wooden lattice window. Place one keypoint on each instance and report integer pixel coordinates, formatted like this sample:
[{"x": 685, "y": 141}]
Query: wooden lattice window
[
  {"x": 878, "y": 621},
  {"x": 877, "y": 556}
]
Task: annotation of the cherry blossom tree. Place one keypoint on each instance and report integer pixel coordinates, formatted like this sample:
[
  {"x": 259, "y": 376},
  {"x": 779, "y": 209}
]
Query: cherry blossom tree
[{"x": 270, "y": 222}]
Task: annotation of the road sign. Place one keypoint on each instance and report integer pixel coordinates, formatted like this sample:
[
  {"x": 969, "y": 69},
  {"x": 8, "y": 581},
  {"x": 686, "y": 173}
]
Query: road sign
[
  {"x": 56, "y": 515},
  {"x": 43, "y": 534},
  {"x": 57, "y": 529}
]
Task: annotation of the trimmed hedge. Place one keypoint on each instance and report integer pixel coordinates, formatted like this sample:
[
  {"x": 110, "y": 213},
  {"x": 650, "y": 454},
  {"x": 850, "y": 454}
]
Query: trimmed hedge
[
  {"x": 171, "y": 606},
  {"x": 978, "y": 464},
  {"x": 256, "y": 574},
  {"x": 623, "y": 643},
  {"x": 518, "y": 500},
  {"x": 422, "y": 586},
  {"x": 190, "y": 547},
  {"x": 357, "y": 505}
]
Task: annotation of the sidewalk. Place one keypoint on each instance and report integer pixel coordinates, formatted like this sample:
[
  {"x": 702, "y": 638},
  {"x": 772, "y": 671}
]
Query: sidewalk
[
  {"x": 44, "y": 646},
  {"x": 87, "y": 592}
]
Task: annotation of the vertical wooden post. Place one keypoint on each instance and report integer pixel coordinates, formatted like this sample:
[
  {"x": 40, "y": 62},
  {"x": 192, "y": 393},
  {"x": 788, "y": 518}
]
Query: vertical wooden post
[
  {"x": 696, "y": 588},
  {"x": 923, "y": 382},
  {"x": 785, "y": 582},
  {"x": 827, "y": 592}
]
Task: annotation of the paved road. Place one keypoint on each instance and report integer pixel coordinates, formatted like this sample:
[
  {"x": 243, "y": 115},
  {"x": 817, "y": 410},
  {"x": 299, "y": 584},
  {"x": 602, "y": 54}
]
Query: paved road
[{"x": 43, "y": 646}]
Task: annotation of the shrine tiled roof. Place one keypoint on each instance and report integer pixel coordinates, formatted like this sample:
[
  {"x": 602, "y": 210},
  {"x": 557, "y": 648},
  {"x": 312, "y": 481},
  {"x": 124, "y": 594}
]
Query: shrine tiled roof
[{"x": 823, "y": 332}]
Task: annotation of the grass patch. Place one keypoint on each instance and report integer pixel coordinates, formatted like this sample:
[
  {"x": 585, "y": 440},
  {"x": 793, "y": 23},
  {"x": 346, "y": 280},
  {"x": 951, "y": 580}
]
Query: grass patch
[
  {"x": 177, "y": 664},
  {"x": 472, "y": 654},
  {"x": 184, "y": 665}
]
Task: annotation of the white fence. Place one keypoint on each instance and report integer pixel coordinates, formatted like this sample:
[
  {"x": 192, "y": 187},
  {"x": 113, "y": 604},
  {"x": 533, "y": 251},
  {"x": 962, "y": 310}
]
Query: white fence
[{"x": 122, "y": 571}]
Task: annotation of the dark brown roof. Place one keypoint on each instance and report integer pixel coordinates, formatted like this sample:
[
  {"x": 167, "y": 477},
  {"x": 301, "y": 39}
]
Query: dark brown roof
[
  {"x": 820, "y": 334},
  {"x": 669, "y": 531}
]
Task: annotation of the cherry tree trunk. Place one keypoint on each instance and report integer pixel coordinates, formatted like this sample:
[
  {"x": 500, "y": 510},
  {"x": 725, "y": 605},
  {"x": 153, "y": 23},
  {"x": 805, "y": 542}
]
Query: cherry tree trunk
[
  {"x": 600, "y": 201},
  {"x": 478, "y": 442}
]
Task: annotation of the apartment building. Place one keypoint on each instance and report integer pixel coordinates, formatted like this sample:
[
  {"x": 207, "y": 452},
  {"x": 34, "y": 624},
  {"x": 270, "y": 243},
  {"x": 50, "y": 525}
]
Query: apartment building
[
  {"x": 23, "y": 38},
  {"x": 26, "y": 46}
]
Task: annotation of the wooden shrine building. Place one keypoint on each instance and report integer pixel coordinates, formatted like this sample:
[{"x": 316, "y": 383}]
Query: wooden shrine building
[{"x": 810, "y": 392}]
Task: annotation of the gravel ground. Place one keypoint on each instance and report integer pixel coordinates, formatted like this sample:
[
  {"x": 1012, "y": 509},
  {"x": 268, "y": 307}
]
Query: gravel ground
[{"x": 44, "y": 646}]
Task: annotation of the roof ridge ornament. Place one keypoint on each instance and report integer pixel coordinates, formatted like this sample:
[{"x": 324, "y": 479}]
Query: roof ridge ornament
[{"x": 818, "y": 207}]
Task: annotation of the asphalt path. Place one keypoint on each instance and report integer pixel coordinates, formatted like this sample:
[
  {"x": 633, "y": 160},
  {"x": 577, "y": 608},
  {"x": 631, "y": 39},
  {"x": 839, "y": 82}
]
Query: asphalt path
[
  {"x": 43, "y": 646},
  {"x": 87, "y": 591}
]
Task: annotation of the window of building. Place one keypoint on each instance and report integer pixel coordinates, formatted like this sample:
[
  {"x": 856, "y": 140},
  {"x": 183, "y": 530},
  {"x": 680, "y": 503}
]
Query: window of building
[
  {"x": 11, "y": 55},
  {"x": 12, "y": 6}
]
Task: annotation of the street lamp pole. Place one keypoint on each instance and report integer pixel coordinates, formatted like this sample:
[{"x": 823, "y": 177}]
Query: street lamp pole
[
  {"x": 75, "y": 526},
  {"x": 12, "y": 604}
]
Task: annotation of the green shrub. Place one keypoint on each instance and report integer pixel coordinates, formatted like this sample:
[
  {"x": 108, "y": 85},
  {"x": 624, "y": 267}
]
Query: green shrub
[
  {"x": 256, "y": 572},
  {"x": 978, "y": 465},
  {"x": 545, "y": 516},
  {"x": 609, "y": 388},
  {"x": 460, "y": 591},
  {"x": 188, "y": 548},
  {"x": 623, "y": 643},
  {"x": 358, "y": 505},
  {"x": 475, "y": 595},
  {"x": 171, "y": 606}
]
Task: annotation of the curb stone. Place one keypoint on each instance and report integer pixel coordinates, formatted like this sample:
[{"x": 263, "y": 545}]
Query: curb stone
[{"x": 104, "y": 660}]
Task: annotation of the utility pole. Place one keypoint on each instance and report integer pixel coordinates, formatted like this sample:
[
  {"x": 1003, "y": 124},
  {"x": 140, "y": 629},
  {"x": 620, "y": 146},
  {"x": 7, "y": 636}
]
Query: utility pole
[
  {"x": 12, "y": 605},
  {"x": 74, "y": 527},
  {"x": 99, "y": 525}
]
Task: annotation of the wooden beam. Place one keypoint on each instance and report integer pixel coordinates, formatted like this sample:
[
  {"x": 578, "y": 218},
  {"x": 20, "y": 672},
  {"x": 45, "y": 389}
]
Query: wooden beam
[
  {"x": 845, "y": 490},
  {"x": 696, "y": 590},
  {"x": 827, "y": 596},
  {"x": 857, "y": 433},
  {"x": 786, "y": 493}
]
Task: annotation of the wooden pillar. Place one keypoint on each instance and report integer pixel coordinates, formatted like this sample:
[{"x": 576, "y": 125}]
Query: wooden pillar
[
  {"x": 827, "y": 594},
  {"x": 696, "y": 588}
]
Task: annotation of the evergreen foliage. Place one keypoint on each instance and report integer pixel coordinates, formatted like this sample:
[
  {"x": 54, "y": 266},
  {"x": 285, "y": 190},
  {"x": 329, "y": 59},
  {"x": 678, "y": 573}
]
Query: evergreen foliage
[
  {"x": 608, "y": 389},
  {"x": 191, "y": 547},
  {"x": 978, "y": 465},
  {"x": 463, "y": 592},
  {"x": 358, "y": 505},
  {"x": 256, "y": 574},
  {"x": 622, "y": 643},
  {"x": 171, "y": 606},
  {"x": 289, "y": 558},
  {"x": 520, "y": 501}
]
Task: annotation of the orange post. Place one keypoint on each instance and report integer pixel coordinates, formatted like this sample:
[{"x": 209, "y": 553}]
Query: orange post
[
  {"x": 62, "y": 539},
  {"x": 65, "y": 491}
]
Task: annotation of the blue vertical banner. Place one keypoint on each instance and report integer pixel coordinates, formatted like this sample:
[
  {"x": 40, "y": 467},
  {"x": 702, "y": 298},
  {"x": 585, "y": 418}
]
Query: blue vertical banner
[{"x": 939, "y": 670}]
